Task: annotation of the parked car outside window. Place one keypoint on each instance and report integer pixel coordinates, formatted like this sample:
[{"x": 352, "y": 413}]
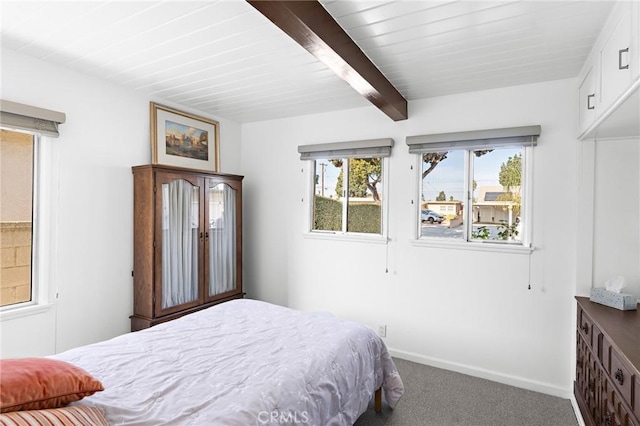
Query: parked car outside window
[{"x": 431, "y": 216}]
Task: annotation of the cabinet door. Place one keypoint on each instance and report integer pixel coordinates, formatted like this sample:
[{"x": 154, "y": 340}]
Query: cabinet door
[
  {"x": 223, "y": 239},
  {"x": 178, "y": 243},
  {"x": 615, "y": 58},
  {"x": 587, "y": 100}
]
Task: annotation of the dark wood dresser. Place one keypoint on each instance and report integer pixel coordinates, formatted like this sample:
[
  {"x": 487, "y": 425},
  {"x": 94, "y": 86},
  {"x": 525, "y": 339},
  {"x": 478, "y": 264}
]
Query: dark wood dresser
[{"x": 607, "y": 385}]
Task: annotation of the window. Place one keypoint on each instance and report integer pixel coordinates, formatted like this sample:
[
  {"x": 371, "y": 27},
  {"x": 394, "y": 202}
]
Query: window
[
  {"x": 17, "y": 153},
  {"x": 348, "y": 195},
  {"x": 477, "y": 182},
  {"x": 26, "y": 185},
  {"x": 348, "y": 186}
]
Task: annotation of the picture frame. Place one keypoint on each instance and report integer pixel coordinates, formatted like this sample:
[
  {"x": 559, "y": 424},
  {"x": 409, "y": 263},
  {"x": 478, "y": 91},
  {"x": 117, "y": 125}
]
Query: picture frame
[{"x": 182, "y": 139}]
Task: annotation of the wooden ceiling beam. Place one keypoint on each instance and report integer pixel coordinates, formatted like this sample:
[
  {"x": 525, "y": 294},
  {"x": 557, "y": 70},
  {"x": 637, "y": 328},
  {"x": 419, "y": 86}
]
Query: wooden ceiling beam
[{"x": 311, "y": 26}]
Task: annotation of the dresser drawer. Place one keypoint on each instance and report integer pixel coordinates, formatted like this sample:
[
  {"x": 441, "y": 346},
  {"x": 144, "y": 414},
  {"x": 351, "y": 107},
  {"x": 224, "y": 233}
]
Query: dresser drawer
[
  {"x": 590, "y": 332},
  {"x": 584, "y": 326},
  {"x": 622, "y": 377}
]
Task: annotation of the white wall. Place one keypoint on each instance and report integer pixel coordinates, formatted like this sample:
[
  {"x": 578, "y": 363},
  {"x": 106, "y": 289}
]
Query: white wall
[
  {"x": 617, "y": 213},
  {"x": 465, "y": 310},
  {"x": 107, "y": 132}
]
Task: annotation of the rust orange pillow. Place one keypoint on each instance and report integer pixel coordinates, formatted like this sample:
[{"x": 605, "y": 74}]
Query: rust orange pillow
[{"x": 41, "y": 383}]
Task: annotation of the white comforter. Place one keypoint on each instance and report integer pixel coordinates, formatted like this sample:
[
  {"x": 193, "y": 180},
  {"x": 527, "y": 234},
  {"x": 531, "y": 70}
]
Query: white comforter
[{"x": 243, "y": 362}]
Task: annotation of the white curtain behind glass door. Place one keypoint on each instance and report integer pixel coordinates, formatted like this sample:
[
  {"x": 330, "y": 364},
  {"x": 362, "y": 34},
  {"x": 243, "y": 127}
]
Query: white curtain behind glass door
[
  {"x": 222, "y": 239},
  {"x": 180, "y": 207}
]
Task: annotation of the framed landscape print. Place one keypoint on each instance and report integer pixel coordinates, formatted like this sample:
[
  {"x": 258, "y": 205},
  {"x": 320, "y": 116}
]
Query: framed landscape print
[{"x": 184, "y": 140}]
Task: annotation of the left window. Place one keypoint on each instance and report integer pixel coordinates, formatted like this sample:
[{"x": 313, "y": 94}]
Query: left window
[
  {"x": 28, "y": 180},
  {"x": 17, "y": 180},
  {"x": 348, "y": 195},
  {"x": 349, "y": 184}
]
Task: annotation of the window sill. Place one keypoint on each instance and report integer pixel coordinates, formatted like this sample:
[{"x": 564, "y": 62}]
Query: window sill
[
  {"x": 7, "y": 314},
  {"x": 465, "y": 245},
  {"x": 373, "y": 239}
]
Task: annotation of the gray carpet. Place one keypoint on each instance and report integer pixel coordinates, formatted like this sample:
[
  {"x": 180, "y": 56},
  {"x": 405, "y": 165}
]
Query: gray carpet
[{"x": 436, "y": 397}]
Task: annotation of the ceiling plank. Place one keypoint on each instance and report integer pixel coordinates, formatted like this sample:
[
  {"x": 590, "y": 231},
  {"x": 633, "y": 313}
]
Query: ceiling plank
[{"x": 311, "y": 26}]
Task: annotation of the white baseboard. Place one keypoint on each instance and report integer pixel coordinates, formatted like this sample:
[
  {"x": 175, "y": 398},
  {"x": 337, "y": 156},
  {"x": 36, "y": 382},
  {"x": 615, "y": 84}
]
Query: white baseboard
[
  {"x": 576, "y": 410},
  {"x": 516, "y": 381}
]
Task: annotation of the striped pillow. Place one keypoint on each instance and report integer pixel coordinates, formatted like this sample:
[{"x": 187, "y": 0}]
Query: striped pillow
[{"x": 78, "y": 415}]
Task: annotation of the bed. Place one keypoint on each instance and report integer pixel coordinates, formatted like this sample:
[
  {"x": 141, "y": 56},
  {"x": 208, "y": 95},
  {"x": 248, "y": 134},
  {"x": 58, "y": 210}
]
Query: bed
[{"x": 242, "y": 362}]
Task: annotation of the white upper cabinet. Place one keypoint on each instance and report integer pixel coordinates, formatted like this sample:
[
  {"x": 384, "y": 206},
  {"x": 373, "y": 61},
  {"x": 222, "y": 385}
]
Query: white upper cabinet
[
  {"x": 587, "y": 99},
  {"x": 615, "y": 72},
  {"x": 608, "y": 85}
]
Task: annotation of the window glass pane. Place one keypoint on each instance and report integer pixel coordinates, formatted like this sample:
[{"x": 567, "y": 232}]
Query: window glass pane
[
  {"x": 327, "y": 200},
  {"x": 16, "y": 198},
  {"x": 442, "y": 194},
  {"x": 364, "y": 210},
  {"x": 497, "y": 195}
]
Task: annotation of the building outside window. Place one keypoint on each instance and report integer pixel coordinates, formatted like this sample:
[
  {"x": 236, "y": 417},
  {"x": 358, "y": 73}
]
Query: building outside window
[
  {"x": 16, "y": 224},
  {"x": 479, "y": 184}
]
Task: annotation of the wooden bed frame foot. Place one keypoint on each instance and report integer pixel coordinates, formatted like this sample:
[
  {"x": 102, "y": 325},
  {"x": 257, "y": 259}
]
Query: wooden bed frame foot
[{"x": 377, "y": 402}]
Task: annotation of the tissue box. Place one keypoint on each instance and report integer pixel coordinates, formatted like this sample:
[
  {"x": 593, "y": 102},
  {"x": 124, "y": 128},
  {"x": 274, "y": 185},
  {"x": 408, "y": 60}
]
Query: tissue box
[{"x": 622, "y": 301}]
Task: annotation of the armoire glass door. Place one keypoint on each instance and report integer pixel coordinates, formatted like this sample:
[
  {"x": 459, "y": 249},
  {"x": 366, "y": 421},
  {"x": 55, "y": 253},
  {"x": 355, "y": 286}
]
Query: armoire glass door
[
  {"x": 180, "y": 225},
  {"x": 222, "y": 205}
]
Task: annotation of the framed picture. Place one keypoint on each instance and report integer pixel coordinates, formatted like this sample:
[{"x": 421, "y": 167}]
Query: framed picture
[{"x": 182, "y": 139}]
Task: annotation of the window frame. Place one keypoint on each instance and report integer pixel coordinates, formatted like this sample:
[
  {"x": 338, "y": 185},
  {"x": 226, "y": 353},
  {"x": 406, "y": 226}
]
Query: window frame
[
  {"x": 42, "y": 231},
  {"x": 382, "y": 237},
  {"x": 526, "y": 243}
]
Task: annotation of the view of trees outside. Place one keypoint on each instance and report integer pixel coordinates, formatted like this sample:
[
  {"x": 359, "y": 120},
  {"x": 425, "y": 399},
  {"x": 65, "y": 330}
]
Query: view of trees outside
[
  {"x": 364, "y": 176},
  {"x": 364, "y": 190},
  {"x": 510, "y": 177}
]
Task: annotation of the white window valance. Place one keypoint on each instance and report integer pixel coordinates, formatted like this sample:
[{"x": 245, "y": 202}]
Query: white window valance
[
  {"x": 42, "y": 121},
  {"x": 475, "y": 140},
  {"x": 352, "y": 149}
]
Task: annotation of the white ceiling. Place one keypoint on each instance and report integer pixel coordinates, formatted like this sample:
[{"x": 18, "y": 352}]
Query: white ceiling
[{"x": 225, "y": 59}]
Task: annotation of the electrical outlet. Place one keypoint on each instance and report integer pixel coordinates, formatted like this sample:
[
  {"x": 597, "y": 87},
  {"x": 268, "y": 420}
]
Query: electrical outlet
[{"x": 382, "y": 330}]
